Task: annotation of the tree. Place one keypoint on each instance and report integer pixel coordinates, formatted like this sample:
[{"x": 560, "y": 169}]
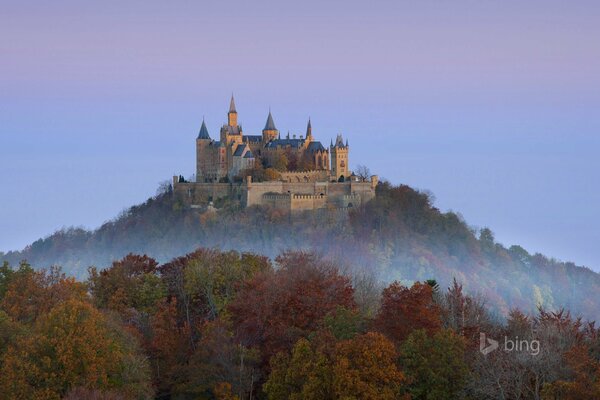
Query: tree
[
  {"x": 363, "y": 172},
  {"x": 275, "y": 309},
  {"x": 218, "y": 366},
  {"x": 169, "y": 346},
  {"x": 435, "y": 364},
  {"x": 305, "y": 375},
  {"x": 404, "y": 310},
  {"x": 365, "y": 368},
  {"x": 30, "y": 293},
  {"x": 585, "y": 383},
  {"x": 465, "y": 314},
  {"x": 73, "y": 345},
  {"x": 359, "y": 368},
  {"x": 280, "y": 162},
  {"x": 131, "y": 282}
]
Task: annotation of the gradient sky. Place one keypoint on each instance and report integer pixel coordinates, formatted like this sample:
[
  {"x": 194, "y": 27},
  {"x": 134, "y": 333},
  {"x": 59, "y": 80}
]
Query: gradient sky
[{"x": 494, "y": 106}]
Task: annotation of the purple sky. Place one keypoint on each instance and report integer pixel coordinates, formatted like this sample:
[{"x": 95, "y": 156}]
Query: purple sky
[{"x": 493, "y": 106}]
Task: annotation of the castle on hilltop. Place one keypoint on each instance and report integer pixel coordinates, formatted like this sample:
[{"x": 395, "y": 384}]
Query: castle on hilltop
[{"x": 294, "y": 173}]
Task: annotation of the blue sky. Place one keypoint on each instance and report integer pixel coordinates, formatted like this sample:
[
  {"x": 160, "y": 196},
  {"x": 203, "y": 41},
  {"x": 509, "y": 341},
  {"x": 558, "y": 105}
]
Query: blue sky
[{"x": 492, "y": 106}]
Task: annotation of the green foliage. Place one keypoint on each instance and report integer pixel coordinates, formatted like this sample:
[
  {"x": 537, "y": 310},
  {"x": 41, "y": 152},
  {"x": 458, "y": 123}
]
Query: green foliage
[
  {"x": 130, "y": 283},
  {"x": 435, "y": 365},
  {"x": 306, "y": 374},
  {"x": 344, "y": 323}
]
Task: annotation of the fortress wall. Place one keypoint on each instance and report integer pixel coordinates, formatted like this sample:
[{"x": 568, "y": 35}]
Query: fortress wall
[
  {"x": 282, "y": 201},
  {"x": 307, "y": 202},
  {"x": 202, "y": 193},
  {"x": 366, "y": 190},
  {"x": 305, "y": 176},
  {"x": 254, "y": 191},
  {"x": 291, "y": 196}
]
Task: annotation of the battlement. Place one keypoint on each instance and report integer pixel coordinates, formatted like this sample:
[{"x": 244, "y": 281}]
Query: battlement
[
  {"x": 293, "y": 196},
  {"x": 305, "y": 176}
]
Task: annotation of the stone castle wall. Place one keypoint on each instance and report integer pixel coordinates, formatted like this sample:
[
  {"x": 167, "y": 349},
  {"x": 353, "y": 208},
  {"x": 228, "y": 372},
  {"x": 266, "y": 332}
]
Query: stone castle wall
[{"x": 294, "y": 196}]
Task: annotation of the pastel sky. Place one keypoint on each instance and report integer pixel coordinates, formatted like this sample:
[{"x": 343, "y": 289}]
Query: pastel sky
[{"x": 494, "y": 106}]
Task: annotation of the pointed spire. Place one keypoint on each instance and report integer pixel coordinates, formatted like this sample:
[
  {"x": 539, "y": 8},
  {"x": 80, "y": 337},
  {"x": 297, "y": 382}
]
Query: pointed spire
[
  {"x": 331, "y": 144},
  {"x": 232, "y": 105},
  {"x": 270, "y": 125},
  {"x": 308, "y": 128},
  {"x": 203, "y": 131},
  {"x": 346, "y": 142}
]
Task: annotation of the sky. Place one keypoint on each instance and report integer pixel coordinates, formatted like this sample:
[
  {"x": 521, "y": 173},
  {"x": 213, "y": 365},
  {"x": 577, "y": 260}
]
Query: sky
[{"x": 493, "y": 106}]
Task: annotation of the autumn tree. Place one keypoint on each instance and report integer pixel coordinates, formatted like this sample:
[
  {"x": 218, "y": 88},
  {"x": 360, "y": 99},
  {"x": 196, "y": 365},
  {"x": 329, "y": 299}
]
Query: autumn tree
[
  {"x": 359, "y": 368},
  {"x": 29, "y": 294},
  {"x": 131, "y": 282},
  {"x": 169, "y": 346},
  {"x": 585, "y": 381},
  {"x": 404, "y": 310},
  {"x": 305, "y": 374},
  {"x": 463, "y": 313},
  {"x": 219, "y": 365},
  {"x": 205, "y": 281},
  {"x": 365, "y": 368},
  {"x": 73, "y": 345},
  {"x": 276, "y": 308}
]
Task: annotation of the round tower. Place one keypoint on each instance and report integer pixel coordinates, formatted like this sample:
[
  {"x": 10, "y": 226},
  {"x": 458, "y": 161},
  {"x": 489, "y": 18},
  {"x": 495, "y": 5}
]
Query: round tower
[{"x": 202, "y": 153}]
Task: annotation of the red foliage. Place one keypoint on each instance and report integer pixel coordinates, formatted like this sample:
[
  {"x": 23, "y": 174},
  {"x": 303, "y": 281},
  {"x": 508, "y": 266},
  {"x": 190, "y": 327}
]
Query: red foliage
[
  {"x": 274, "y": 309},
  {"x": 404, "y": 310}
]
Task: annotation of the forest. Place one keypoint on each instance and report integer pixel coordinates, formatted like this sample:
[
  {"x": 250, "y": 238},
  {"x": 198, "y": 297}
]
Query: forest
[
  {"x": 398, "y": 236},
  {"x": 236, "y": 325}
]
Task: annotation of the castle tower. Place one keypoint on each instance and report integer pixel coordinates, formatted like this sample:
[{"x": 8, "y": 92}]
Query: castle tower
[
  {"x": 309, "y": 136},
  {"x": 270, "y": 132},
  {"x": 339, "y": 159},
  {"x": 202, "y": 153},
  {"x": 232, "y": 114}
]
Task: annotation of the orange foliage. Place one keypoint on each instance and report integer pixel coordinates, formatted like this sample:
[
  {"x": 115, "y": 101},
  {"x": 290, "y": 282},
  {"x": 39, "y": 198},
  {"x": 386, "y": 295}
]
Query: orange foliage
[
  {"x": 365, "y": 368},
  {"x": 34, "y": 293}
]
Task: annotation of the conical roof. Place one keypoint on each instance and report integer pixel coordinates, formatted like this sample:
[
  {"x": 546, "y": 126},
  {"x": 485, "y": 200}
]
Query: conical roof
[
  {"x": 270, "y": 125},
  {"x": 232, "y": 105},
  {"x": 203, "y": 132}
]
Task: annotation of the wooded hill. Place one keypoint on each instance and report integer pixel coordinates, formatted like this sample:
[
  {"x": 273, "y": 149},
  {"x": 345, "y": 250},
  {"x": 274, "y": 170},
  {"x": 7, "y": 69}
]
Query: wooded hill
[{"x": 398, "y": 236}]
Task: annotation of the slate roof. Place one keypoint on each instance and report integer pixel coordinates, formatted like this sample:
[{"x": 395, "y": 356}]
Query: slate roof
[
  {"x": 339, "y": 142},
  {"x": 315, "y": 146},
  {"x": 203, "y": 134},
  {"x": 295, "y": 143},
  {"x": 239, "y": 150},
  {"x": 252, "y": 138},
  {"x": 232, "y": 130},
  {"x": 270, "y": 125},
  {"x": 232, "y": 105},
  {"x": 248, "y": 154}
]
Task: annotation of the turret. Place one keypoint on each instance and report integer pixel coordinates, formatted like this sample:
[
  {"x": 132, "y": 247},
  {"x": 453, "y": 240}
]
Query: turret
[
  {"x": 232, "y": 114},
  {"x": 309, "y": 136},
  {"x": 270, "y": 132}
]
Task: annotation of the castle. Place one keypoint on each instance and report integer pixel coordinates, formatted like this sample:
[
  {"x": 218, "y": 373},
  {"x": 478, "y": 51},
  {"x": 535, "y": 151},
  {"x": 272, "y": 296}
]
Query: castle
[{"x": 293, "y": 173}]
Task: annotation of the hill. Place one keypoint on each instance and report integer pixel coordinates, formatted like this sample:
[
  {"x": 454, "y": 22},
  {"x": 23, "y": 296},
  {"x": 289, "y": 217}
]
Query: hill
[{"x": 398, "y": 236}]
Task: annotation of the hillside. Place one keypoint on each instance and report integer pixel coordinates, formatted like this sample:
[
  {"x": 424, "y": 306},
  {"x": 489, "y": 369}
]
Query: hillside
[{"x": 398, "y": 236}]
